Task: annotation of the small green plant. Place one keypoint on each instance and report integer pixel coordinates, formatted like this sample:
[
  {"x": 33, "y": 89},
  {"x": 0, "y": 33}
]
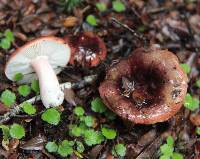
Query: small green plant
[
  {"x": 7, "y": 39},
  {"x": 198, "y": 130},
  {"x": 17, "y": 131},
  {"x": 92, "y": 137},
  {"x": 18, "y": 77},
  {"x": 51, "y": 116},
  {"x": 98, "y": 106},
  {"x": 6, "y": 134},
  {"x": 186, "y": 68},
  {"x": 167, "y": 150},
  {"x": 35, "y": 86},
  {"x": 24, "y": 90},
  {"x": 108, "y": 133},
  {"x": 92, "y": 20},
  {"x": 141, "y": 29},
  {"x": 110, "y": 115},
  {"x": 51, "y": 147},
  {"x": 80, "y": 147},
  {"x": 89, "y": 120},
  {"x": 79, "y": 111},
  {"x": 190, "y": 102},
  {"x": 101, "y": 6},
  {"x": 8, "y": 98},
  {"x": 198, "y": 83},
  {"x": 28, "y": 108},
  {"x": 65, "y": 148},
  {"x": 118, "y": 6},
  {"x": 75, "y": 131},
  {"x": 69, "y": 5},
  {"x": 119, "y": 150}
]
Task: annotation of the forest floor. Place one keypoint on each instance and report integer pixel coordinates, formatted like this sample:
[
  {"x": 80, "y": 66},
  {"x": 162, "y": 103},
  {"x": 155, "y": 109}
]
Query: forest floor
[{"x": 172, "y": 25}]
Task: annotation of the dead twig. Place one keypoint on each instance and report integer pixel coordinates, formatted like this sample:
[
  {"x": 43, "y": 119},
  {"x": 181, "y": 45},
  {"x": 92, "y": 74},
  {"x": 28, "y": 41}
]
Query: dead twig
[
  {"x": 86, "y": 80},
  {"x": 137, "y": 35}
]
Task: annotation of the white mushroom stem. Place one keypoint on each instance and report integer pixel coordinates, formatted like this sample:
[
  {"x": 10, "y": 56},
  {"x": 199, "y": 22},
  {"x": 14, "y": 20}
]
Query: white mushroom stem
[{"x": 51, "y": 94}]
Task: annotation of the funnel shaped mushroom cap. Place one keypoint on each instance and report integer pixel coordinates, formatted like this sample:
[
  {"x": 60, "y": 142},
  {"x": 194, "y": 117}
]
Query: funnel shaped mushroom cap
[
  {"x": 54, "y": 48},
  {"x": 87, "y": 49},
  {"x": 159, "y": 86}
]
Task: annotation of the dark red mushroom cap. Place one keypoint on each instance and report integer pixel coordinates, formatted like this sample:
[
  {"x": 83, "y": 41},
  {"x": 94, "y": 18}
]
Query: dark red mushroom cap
[
  {"x": 146, "y": 88},
  {"x": 87, "y": 49}
]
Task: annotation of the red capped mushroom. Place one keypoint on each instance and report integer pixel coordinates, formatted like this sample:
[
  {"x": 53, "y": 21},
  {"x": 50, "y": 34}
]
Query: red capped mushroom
[
  {"x": 146, "y": 88},
  {"x": 41, "y": 58},
  {"x": 87, "y": 49}
]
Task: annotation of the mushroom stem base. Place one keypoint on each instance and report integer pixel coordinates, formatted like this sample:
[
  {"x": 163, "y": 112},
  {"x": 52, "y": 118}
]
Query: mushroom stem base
[{"x": 51, "y": 94}]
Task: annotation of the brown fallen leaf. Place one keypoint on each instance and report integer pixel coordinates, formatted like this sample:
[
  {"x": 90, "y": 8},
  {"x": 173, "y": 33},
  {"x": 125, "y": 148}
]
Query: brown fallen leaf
[
  {"x": 70, "y": 96},
  {"x": 36, "y": 143},
  {"x": 3, "y": 109},
  {"x": 13, "y": 144},
  {"x": 195, "y": 119},
  {"x": 70, "y": 21}
]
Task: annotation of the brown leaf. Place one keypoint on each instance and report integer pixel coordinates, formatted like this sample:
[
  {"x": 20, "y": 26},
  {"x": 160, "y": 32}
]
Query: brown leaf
[
  {"x": 70, "y": 96},
  {"x": 3, "y": 109},
  {"x": 13, "y": 144},
  {"x": 36, "y": 143},
  {"x": 70, "y": 21},
  {"x": 195, "y": 119}
]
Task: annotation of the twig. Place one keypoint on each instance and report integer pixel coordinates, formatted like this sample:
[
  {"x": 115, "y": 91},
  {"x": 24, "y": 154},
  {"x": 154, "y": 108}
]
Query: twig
[
  {"x": 86, "y": 80},
  {"x": 137, "y": 35}
]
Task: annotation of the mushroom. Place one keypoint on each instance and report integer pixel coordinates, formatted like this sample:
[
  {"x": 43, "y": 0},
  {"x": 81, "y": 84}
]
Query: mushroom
[
  {"x": 41, "y": 58},
  {"x": 146, "y": 88},
  {"x": 87, "y": 49}
]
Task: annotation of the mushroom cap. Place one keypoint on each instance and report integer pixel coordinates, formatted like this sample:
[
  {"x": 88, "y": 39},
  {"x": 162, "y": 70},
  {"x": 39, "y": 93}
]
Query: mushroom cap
[
  {"x": 158, "y": 79},
  {"x": 57, "y": 51},
  {"x": 87, "y": 49}
]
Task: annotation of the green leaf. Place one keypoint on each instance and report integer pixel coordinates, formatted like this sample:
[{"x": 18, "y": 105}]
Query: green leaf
[
  {"x": 75, "y": 131},
  {"x": 24, "y": 90},
  {"x": 190, "y": 102},
  {"x": 8, "y": 98},
  {"x": 35, "y": 86},
  {"x": 9, "y": 35},
  {"x": 5, "y": 43},
  {"x": 118, "y": 6},
  {"x": 80, "y": 147},
  {"x": 170, "y": 141},
  {"x": 91, "y": 19},
  {"x": 98, "y": 106},
  {"x": 119, "y": 150},
  {"x": 18, "y": 77},
  {"x": 51, "y": 147},
  {"x": 108, "y": 133},
  {"x": 164, "y": 157},
  {"x": 65, "y": 148},
  {"x": 51, "y": 116},
  {"x": 166, "y": 150},
  {"x": 17, "y": 131},
  {"x": 89, "y": 121},
  {"x": 186, "y": 68},
  {"x": 198, "y": 130},
  {"x": 177, "y": 155},
  {"x": 92, "y": 137},
  {"x": 110, "y": 115},
  {"x": 28, "y": 108},
  {"x": 141, "y": 28},
  {"x": 101, "y": 6},
  {"x": 6, "y": 133},
  {"x": 79, "y": 111},
  {"x": 198, "y": 83}
]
